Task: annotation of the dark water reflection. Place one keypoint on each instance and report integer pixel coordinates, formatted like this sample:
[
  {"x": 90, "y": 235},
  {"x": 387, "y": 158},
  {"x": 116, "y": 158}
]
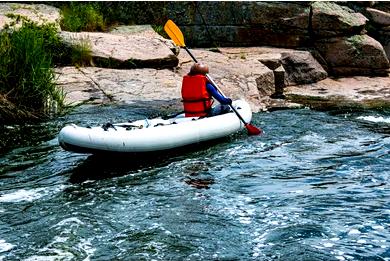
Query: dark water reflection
[{"x": 315, "y": 186}]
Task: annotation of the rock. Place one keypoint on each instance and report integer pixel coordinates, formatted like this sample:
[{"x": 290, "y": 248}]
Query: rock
[
  {"x": 271, "y": 60},
  {"x": 281, "y": 104},
  {"x": 299, "y": 66},
  {"x": 250, "y": 35},
  {"x": 238, "y": 76},
  {"x": 351, "y": 92},
  {"x": 294, "y": 14},
  {"x": 242, "y": 23},
  {"x": 365, "y": 3},
  {"x": 384, "y": 38},
  {"x": 39, "y": 13},
  {"x": 122, "y": 51},
  {"x": 302, "y": 68},
  {"x": 385, "y": 29},
  {"x": 279, "y": 75},
  {"x": 360, "y": 52},
  {"x": 238, "y": 72},
  {"x": 317, "y": 55},
  {"x": 330, "y": 20},
  {"x": 352, "y": 71},
  {"x": 382, "y": 6},
  {"x": 145, "y": 31},
  {"x": 102, "y": 85},
  {"x": 279, "y": 14},
  {"x": 379, "y": 17}
]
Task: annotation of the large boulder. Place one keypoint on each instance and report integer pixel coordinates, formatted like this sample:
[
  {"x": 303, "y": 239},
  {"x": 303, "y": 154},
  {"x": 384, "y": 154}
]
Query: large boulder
[
  {"x": 299, "y": 67},
  {"x": 242, "y": 23},
  {"x": 382, "y": 6},
  {"x": 302, "y": 68},
  {"x": 379, "y": 17},
  {"x": 330, "y": 19},
  {"x": 383, "y": 36},
  {"x": 10, "y": 14},
  {"x": 124, "y": 50},
  {"x": 355, "y": 55},
  {"x": 380, "y": 27}
]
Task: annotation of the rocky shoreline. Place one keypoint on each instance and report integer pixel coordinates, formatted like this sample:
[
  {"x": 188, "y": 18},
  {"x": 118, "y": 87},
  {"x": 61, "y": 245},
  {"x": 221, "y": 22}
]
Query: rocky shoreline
[
  {"x": 134, "y": 63},
  {"x": 238, "y": 78}
]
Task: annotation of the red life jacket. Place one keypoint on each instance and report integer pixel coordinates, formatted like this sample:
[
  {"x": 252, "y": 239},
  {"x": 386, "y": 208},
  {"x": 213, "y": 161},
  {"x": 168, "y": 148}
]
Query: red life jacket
[{"x": 196, "y": 99}]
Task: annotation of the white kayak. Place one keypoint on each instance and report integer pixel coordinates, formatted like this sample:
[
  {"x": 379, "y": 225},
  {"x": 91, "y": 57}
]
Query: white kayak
[{"x": 151, "y": 135}]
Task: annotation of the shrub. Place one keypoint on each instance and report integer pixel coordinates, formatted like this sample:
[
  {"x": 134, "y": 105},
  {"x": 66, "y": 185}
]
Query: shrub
[
  {"x": 26, "y": 68},
  {"x": 79, "y": 16}
]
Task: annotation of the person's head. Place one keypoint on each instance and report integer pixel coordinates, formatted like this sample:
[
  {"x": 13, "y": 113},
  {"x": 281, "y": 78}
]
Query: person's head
[{"x": 199, "y": 68}]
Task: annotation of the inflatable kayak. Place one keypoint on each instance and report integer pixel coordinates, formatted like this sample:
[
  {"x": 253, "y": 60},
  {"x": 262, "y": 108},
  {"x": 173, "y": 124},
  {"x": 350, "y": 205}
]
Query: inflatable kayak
[{"x": 151, "y": 135}]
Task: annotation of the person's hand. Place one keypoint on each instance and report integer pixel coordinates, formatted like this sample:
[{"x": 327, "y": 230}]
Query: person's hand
[{"x": 229, "y": 101}]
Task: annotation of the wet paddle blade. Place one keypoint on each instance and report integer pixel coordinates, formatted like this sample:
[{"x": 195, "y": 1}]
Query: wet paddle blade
[
  {"x": 174, "y": 33},
  {"x": 252, "y": 130}
]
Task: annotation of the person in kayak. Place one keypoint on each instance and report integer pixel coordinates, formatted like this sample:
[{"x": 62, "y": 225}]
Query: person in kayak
[{"x": 198, "y": 93}]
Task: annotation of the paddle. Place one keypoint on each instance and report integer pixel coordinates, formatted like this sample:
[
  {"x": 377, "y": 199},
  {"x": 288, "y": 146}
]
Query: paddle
[{"x": 177, "y": 37}]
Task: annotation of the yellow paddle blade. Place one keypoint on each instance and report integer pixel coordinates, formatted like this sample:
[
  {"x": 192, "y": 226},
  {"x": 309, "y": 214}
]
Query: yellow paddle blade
[{"x": 174, "y": 33}]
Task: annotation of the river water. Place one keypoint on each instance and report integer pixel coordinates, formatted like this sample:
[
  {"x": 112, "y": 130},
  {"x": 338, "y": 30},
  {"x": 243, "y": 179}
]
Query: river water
[{"x": 314, "y": 186}]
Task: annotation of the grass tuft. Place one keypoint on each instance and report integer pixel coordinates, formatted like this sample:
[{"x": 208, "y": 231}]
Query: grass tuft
[
  {"x": 27, "y": 78},
  {"x": 81, "y": 55},
  {"x": 82, "y": 16}
]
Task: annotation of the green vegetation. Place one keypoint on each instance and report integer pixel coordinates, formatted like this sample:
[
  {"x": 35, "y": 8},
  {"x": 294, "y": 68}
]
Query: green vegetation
[
  {"x": 99, "y": 16},
  {"x": 79, "y": 17},
  {"x": 356, "y": 39},
  {"x": 160, "y": 30},
  {"x": 26, "y": 70},
  {"x": 356, "y": 43},
  {"x": 81, "y": 54}
]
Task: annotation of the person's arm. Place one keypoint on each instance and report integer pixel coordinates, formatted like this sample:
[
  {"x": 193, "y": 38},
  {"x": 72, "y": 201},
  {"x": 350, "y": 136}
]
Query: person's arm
[{"x": 215, "y": 93}]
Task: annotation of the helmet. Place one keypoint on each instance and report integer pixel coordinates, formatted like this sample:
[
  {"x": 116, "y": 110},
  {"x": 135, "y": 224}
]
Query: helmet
[{"x": 199, "y": 68}]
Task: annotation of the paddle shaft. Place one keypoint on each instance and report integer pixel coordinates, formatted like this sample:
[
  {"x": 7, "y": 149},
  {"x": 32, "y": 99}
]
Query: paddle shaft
[
  {"x": 189, "y": 52},
  {"x": 216, "y": 86}
]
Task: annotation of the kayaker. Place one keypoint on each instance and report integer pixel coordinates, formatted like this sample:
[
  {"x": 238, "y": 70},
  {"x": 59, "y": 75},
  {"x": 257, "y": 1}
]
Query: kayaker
[{"x": 198, "y": 93}]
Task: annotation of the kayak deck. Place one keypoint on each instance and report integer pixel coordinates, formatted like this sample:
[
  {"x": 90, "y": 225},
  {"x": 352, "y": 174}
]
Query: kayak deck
[{"x": 152, "y": 134}]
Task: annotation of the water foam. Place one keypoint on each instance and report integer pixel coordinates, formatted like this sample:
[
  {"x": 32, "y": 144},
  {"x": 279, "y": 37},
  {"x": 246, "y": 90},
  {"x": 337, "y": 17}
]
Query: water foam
[
  {"x": 376, "y": 119},
  {"x": 21, "y": 195},
  {"x": 4, "y": 246},
  {"x": 29, "y": 195}
]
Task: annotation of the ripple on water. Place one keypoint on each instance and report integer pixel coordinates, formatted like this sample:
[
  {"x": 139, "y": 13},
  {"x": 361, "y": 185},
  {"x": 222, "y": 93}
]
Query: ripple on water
[
  {"x": 312, "y": 187},
  {"x": 31, "y": 194}
]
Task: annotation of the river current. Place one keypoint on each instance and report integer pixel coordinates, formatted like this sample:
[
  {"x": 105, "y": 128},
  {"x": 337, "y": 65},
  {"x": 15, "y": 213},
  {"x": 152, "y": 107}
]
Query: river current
[{"x": 314, "y": 186}]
